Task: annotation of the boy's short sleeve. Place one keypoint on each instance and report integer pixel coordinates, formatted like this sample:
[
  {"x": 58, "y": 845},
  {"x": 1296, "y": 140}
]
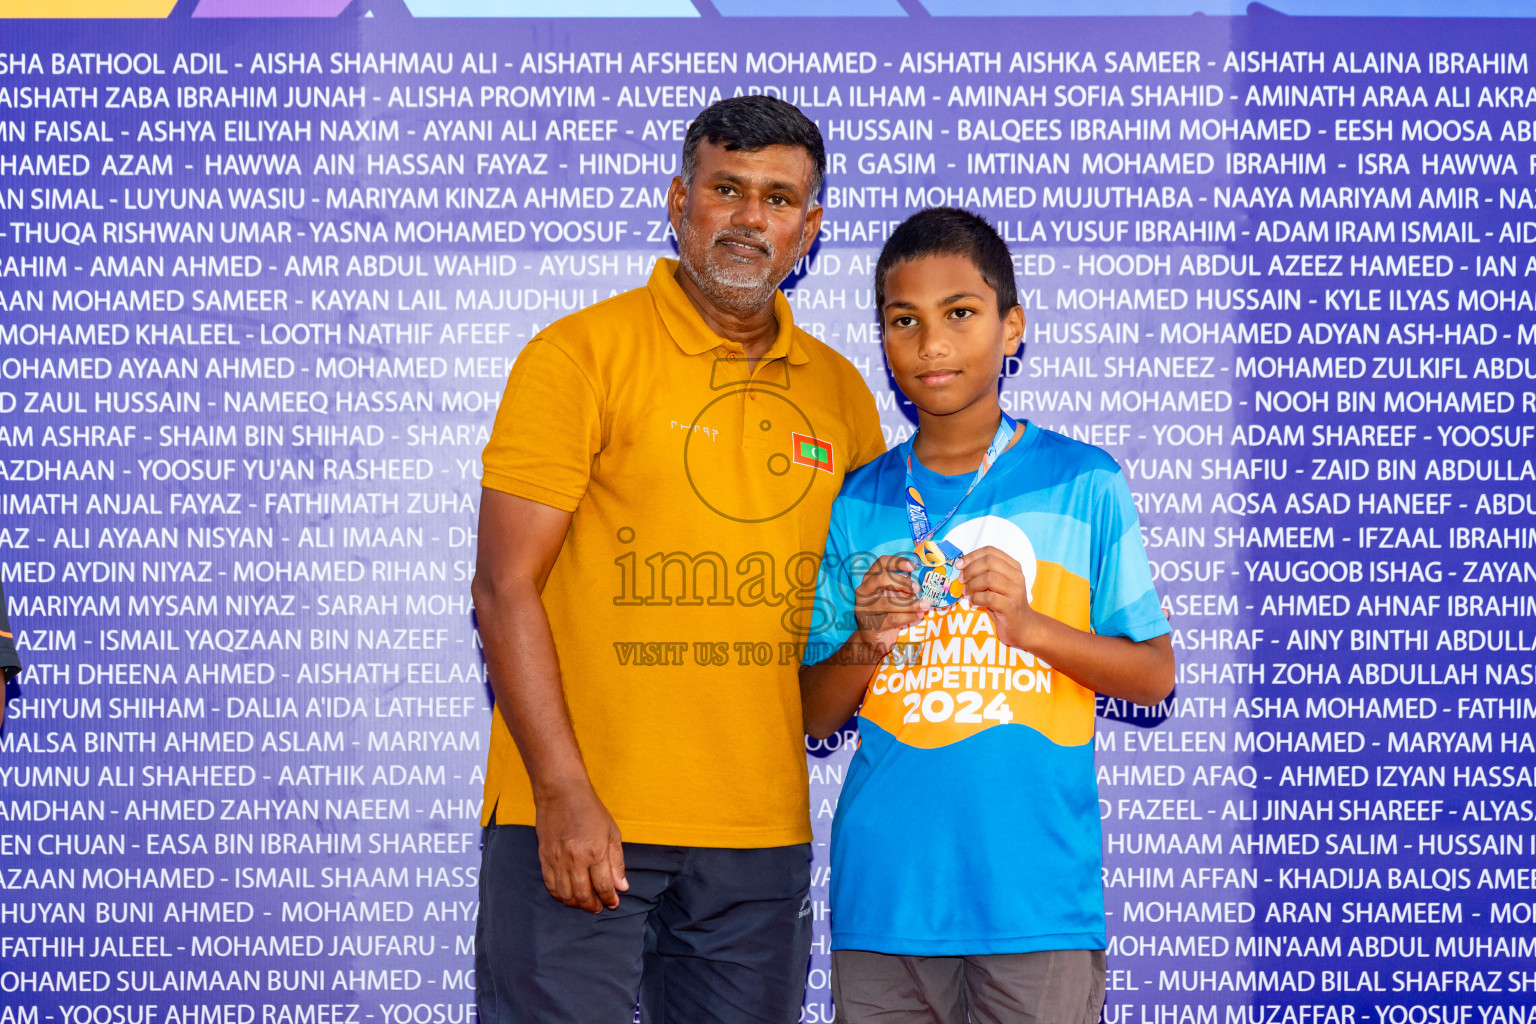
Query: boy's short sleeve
[
  {"x": 548, "y": 429},
  {"x": 832, "y": 620},
  {"x": 1124, "y": 602}
]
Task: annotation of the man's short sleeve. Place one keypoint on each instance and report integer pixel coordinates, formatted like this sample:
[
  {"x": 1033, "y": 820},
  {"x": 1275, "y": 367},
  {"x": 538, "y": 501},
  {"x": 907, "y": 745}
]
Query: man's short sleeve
[
  {"x": 1124, "y": 602},
  {"x": 548, "y": 429}
]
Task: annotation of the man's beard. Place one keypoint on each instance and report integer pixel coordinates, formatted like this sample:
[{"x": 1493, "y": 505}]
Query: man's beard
[{"x": 739, "y": 289}]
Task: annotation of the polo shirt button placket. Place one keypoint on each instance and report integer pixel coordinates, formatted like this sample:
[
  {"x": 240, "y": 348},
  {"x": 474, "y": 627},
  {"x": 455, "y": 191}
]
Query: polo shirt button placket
[{"x": 748, "y": 424}]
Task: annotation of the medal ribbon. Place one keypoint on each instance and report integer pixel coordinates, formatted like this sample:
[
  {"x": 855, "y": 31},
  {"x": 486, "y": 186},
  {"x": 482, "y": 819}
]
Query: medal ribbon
[{"x": 930, "y": 554}]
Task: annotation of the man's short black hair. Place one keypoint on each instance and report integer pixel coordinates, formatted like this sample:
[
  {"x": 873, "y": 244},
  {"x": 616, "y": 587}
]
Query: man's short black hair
[
  {"x": 946, "y": 231},
  {"x": 751, "y": 123}
]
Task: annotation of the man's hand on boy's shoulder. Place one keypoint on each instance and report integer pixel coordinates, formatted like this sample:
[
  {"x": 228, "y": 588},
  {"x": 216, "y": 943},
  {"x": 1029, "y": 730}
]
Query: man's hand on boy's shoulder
[{"x": 995, "y": 582}]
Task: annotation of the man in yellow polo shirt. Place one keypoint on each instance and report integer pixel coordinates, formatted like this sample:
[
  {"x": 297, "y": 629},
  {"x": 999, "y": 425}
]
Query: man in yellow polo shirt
[{"x": 656, "y": 496}]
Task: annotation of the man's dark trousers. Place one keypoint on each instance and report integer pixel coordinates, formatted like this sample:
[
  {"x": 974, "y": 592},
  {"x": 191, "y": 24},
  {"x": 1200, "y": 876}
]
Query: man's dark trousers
[{"x": 703, "y": 935}]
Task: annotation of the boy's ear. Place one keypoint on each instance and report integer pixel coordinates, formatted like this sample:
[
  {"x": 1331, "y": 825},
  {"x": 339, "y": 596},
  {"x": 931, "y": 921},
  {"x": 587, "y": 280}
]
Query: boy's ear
[{"x": 1013, "y": 330}]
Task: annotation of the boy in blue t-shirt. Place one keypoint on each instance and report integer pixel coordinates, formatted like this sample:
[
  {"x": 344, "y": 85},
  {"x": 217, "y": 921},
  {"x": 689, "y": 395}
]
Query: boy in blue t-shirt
[{"x": 981, "y": 582}]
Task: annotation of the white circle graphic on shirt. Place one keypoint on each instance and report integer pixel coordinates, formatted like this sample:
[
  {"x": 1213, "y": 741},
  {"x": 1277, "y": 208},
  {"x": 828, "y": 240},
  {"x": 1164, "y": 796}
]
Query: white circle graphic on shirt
[{"x": 1000, "y": 533}]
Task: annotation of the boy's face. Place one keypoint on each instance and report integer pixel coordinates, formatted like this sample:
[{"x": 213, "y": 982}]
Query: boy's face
[{"x": 943, "y": 337}]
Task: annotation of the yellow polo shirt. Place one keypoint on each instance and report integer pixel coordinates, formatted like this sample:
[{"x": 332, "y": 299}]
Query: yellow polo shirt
[{"x": 700, "y": 494}]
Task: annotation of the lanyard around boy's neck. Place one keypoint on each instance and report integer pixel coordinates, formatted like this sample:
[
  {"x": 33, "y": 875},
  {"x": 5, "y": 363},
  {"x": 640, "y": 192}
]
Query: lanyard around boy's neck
[{"x": 917, "y": 513}]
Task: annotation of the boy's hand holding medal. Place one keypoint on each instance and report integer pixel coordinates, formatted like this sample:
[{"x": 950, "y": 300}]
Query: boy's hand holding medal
[
  {"x": 994, "y": 582},
  {"x": 896, "y": 592},
  {"x": 887, "y": 600}
]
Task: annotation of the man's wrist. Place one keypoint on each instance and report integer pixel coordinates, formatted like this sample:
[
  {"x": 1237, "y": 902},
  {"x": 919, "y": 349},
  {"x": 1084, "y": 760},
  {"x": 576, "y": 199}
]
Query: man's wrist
[{"x": 561, "y": 787}]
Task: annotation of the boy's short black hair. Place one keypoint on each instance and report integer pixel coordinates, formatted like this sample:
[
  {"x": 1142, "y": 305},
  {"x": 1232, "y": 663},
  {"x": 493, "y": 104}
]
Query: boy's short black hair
[
  {"x": 946, "y": 231},
  {"x": 752, "y": 123}
]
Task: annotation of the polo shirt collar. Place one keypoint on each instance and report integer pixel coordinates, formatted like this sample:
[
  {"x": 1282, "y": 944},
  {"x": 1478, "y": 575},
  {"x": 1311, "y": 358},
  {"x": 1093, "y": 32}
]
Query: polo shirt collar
[{"x": 693, "y": 335}]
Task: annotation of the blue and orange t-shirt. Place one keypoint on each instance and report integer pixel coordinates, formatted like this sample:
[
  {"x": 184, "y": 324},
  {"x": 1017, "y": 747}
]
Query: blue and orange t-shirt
[{"x": 969, "y": 821}]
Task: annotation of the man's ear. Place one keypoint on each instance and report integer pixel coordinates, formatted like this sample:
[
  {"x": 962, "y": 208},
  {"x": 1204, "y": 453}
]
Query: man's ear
[
  {"x": 812, "y": 228},
  {"x": 677, "y": 195},
  {"x": 1013, "y": 331}
]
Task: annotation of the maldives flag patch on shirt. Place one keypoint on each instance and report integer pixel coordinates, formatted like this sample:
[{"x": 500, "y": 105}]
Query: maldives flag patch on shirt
[{"x": 811, "y": 451}]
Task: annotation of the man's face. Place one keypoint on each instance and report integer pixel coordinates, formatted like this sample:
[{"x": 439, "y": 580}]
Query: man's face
[{"x": 743, "y": 222}]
